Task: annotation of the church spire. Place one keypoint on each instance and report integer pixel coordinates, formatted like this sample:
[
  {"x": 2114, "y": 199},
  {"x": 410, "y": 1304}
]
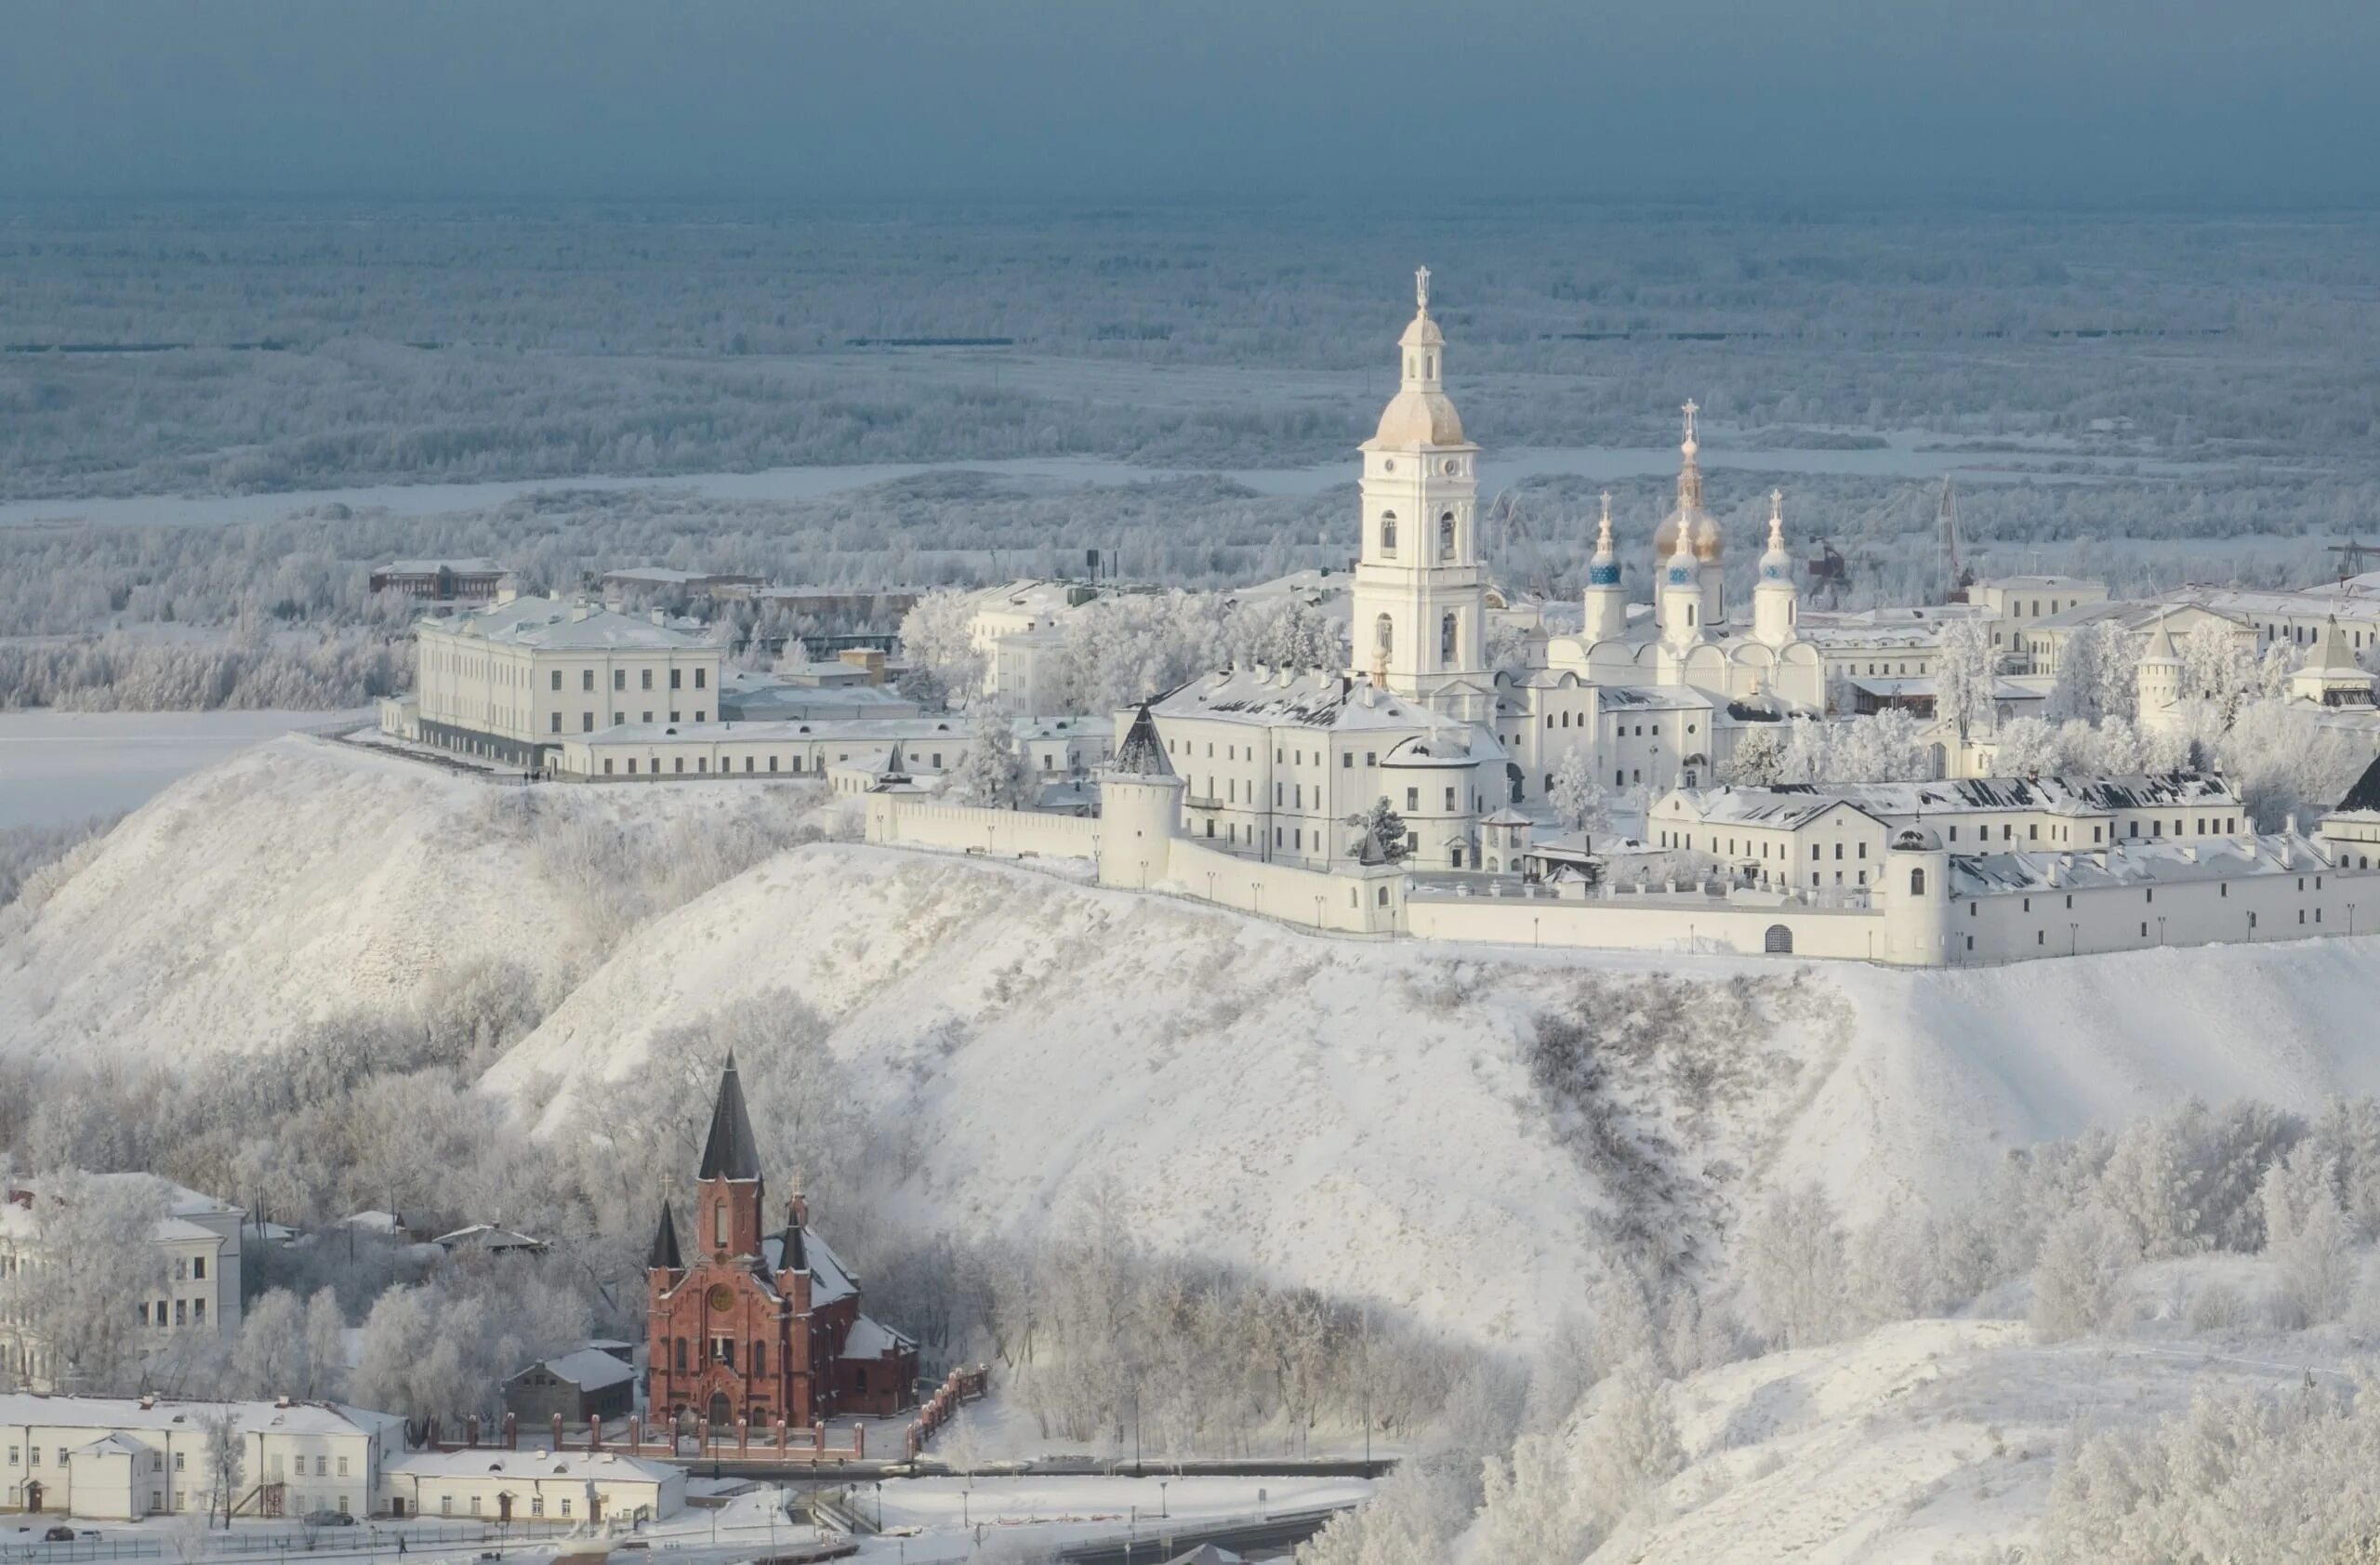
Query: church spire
[
  {"x": 665, "y": 1256},
  {"x": 731, "y": 1152},
  {"x": 1774, "y": 605},
  {"x": 1689, "y": 469}
]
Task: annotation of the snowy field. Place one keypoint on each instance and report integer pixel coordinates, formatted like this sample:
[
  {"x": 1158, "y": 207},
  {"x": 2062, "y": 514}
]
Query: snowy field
[{"x": 57, "y": 767}]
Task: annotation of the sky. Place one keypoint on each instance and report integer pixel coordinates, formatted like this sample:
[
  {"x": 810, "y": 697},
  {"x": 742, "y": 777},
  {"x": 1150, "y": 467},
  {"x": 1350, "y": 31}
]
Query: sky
[{"x": 2121, "y": 103}]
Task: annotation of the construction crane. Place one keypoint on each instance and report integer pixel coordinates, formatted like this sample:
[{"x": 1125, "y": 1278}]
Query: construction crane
[
  {"x": 1829, "y": 573},
  {"x": 2355, "y": 557}
]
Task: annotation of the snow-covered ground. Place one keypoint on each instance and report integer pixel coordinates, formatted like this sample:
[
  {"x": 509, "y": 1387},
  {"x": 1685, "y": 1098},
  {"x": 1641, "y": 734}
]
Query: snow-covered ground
[
  {"x": 56, "y": 768},
  {"x": 1352, "y": 1115}
]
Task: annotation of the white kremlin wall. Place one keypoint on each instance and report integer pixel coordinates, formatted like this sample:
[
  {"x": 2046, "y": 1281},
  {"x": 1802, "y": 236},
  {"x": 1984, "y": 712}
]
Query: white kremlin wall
[{"x": 2251, "y": 889}]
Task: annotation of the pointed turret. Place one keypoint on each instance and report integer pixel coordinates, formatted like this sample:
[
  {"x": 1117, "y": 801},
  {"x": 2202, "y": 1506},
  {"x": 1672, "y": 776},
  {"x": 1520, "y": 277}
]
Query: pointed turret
[
  {"x": 1143, "y": 752},
  {"x": 727, "y": 1209},
  {"x": 2157, "y": 681},
  {"x": 731, "y": 1152},
  {"x": 1607, "y": 604},
  {"x": 666, "y": 1257},
  {"x": 1775, "y": 604},
  {"x": 2331, "y": 676}
]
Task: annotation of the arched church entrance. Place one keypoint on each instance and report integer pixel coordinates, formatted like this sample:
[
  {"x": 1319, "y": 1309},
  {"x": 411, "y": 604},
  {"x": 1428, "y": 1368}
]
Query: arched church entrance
[{"x": 722, "y": 1416}]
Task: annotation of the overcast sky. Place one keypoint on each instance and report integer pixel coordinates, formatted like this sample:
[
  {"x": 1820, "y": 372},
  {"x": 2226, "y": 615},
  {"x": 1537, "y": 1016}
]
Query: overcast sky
[{"x": 2095, "y": 103}]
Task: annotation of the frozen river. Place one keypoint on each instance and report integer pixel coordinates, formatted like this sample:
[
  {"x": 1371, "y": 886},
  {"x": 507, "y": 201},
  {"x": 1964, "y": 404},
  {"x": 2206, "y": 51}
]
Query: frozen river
[
  {"x": 1904, "y": 458},
  {"x": 66, "y": 766}
]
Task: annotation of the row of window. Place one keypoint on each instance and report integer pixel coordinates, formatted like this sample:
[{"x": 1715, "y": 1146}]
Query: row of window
[
  {"x": 587, "y": 720},
  {"x": 644, "y": 678},
  {"x": 187, "y": 1312},
  {"x": 722, "y": 1351}
]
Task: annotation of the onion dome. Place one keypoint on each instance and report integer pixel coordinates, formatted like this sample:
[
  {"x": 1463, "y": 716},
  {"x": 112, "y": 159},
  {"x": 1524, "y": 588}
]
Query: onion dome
[
  {"x": 1603, "y": 569},
  {"x": 1688, "y": 517},
  {"x": 1776, "y": 565}
]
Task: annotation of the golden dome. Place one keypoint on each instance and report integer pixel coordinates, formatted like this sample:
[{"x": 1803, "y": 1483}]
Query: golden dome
[{"x": 1708, "y": 542}]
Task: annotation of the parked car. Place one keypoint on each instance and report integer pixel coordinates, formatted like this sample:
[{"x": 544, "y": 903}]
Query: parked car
[
  {"x": 329, "y": 1518},
  {"x": 58, "y": 1535}
]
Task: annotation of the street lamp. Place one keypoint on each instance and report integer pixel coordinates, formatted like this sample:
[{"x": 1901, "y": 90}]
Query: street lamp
[
  {"x": 2073, "y": 938},
  {"x": 1161, "y": 1511},
  {"x": 1317, "y": 910},
  {"x": 880, "y": 1505},
  {"x": 2161, "y": 929}
]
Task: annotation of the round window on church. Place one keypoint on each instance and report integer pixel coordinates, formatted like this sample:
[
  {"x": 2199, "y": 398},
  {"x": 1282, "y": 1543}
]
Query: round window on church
[
  {"x": 722, "y": 1298},
  {"x": 1453, "y": 467},
  {"x": 1388, "y": 464}
]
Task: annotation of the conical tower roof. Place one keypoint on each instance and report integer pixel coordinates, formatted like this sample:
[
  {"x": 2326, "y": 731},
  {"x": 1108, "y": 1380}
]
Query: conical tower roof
[
  {"x": 2330, "y": 652},
  {"x": 665, "y": 1256},
  {"x": 731, "y": 1152},
  {"x": 1143, "y": 752}
]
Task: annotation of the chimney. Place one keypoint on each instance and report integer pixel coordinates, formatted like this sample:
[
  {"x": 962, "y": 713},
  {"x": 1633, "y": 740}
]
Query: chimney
[
  {"x": 147, "y": 1401},
  {"x": 280, "y": 1401},
  {"x": 578, "y": 612},
  {"x": 657, "y": 616}
]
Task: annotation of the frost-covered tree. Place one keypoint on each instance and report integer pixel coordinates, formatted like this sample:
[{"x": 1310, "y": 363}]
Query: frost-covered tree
[
  {"x": 1963, "y": 684},
  {"x": 1793, "y": 1268},
  {"x": 2078, "y": 1283},
  {"x": 938, "y": 635},
  {"x": 1889, "y": 747},
  {"x": 1125, "y": 649},
  {"x": 2284, "y": 762},
  {"x": 2027, "y": 748},
  {"x": 1758, "y": 759},
  {"x": 1383, "y": 822},
  {"x": 1283, "y": 633},
  {"x": 222, "y": 1451},
  {"x": 993, "y": 776},
  {"x": 1577, "y": 796},
  {"x": 92, "y": 1249}
]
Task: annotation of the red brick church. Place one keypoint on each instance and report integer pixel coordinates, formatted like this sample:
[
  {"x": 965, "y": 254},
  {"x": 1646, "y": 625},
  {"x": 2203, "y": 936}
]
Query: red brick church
[{"x": 762, "y": 1325}]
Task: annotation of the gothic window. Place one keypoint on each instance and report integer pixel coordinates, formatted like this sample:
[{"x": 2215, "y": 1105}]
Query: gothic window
[
  {"x": 1384, "y": 635},
  {"x": 718, "y": 1224},
  {"x": 1388, "y": 534},
  {"x": 1447, "y": 639},
  {"x": 1445, "y": 535}
]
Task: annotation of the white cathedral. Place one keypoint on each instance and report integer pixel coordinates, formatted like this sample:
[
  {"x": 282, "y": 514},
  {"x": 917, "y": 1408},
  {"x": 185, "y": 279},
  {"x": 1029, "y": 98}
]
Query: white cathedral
[{"x": 1276, "y": 763}]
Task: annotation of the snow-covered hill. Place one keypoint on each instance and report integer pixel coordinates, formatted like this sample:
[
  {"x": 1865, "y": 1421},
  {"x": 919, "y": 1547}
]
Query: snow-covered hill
[
  {"x": 303, "y": 878},
  {"x": 1396, "y": 1120}
]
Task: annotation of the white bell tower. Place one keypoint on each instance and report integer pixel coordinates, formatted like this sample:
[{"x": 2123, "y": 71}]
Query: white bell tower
[
  {"x": 1775, "y": 606},
  {"x": 1419, "y": 598}
]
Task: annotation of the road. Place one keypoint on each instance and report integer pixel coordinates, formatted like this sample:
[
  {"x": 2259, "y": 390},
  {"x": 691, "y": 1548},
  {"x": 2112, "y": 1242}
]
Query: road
[{"x": 1281, "y": 1534}]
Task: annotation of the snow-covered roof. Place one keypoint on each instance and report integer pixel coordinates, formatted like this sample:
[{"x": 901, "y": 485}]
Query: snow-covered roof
[
  {"x": 1289, "y": 698},
  {"x": 1651, "y": 698},
  {"x": 22, "y": 1407},
  {"x": 590, "y": 1369},
  {"x": 1791, "y": 804},
  {"x": 2130, "y": 614},
  {"x": 2132, "y": 862},
  {"x": 869, "y": 1338},
  {"x": 187, "y": 1212},
  {"x": 372, "y": 1222},
  {"x": 829, "y": 1278},
  {"x": 112, "y": 1445},
  {"x": 548, "y": 624},
  {"x": 604, "y": 1467},
  {"x": 487, "y": 1236},
  {"x": 862, "y": 730}
]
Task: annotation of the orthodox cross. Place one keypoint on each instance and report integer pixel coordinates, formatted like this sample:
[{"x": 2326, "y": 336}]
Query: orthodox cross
[{"x": 1421, "y": 288}]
